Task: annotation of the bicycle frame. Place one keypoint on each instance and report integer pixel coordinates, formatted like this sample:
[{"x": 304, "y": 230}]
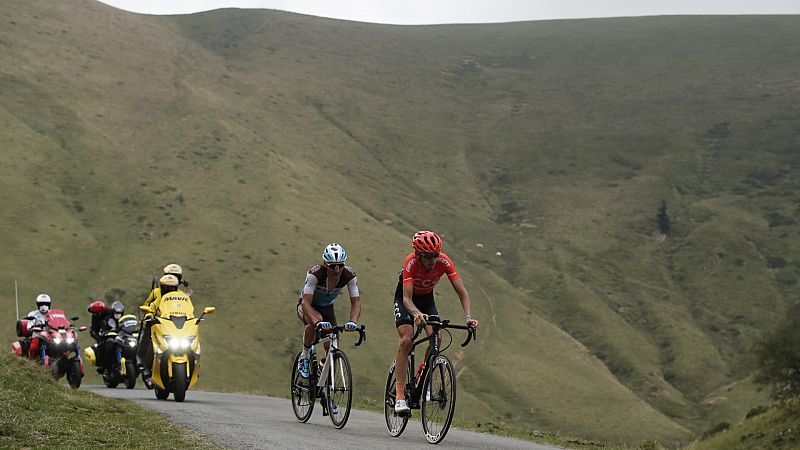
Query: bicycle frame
[
  {"x": 332, "y": 336},
  {"x": 437, "y": 381},
  {"x": 415, "y": 390},
  {"x": 328, "y": 368},
  {"x": 332, "y": 384}
]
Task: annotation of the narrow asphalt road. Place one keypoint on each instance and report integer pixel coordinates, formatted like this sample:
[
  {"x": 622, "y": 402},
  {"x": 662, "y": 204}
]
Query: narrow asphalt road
[{"x": 255, "y": 422}]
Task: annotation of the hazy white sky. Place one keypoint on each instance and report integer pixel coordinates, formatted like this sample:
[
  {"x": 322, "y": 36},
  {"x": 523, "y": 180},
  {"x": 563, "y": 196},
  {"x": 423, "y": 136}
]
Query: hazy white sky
[{"x": 469, "y": 11}]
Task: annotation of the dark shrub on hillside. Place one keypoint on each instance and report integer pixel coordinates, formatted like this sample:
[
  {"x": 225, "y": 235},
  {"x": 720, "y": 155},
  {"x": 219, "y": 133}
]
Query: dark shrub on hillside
[
  {"x": 775, "y": 262},
  {"x": 756, "y": 411},
  {"x": 778, "y": 354},
  {"x": 664, "y": 222},
  {"x": 722, "y": 426}
]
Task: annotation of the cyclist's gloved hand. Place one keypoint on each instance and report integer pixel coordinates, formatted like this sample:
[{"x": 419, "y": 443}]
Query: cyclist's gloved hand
[
  {"x": 324, "y": 325},
  {"x": 350, "y": 326}
]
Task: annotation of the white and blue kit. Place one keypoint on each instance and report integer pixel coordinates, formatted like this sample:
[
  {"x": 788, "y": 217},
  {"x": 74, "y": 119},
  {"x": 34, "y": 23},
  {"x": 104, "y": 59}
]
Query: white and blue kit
[{"x": 317, "y": 285}]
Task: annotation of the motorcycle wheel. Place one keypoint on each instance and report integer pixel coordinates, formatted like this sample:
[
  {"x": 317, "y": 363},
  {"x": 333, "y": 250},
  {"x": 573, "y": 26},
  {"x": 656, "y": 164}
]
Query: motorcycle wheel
[
  {"x": 110, "y": 379},
  {"x": 130, "y": 374},
  {"x": 74, "y": 374},
  {"x": 161, "y": 394},
  {"x": 179, "y": 382},
  {"x": 58, "y": 369}
]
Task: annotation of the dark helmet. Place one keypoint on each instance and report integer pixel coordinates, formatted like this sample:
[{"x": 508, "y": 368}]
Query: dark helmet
[{"x": 118, "y": 309}]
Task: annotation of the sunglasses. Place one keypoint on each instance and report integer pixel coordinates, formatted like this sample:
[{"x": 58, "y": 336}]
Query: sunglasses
[
  {"x": 336, "y": 266},
  {"x": 427, "y": 255}
]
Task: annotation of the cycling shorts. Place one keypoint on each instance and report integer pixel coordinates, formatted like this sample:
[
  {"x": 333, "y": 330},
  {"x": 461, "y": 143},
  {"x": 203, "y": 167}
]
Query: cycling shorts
[
  {"x": 425, "y": 303},
  {"x": 328, "y": 315}
]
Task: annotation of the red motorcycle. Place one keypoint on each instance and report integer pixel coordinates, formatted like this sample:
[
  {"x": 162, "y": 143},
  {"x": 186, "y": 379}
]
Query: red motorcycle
[{"x": 58, "y": 345}]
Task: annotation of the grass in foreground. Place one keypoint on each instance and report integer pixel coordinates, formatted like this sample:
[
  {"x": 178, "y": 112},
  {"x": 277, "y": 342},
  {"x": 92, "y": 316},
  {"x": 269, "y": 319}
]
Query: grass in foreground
[{"x": 35, "y": 411}]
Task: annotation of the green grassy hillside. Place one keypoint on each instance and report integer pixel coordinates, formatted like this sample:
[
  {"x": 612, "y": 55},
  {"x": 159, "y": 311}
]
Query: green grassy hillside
[
  {"x": 239, "y": 143},
  {"x": 775, "y": 428},
  {"x": 37, "y": 412}
]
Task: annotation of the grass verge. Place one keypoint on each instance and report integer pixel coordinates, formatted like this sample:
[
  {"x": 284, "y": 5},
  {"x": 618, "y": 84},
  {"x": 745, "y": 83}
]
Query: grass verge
[{"x": 36, "y": 412}]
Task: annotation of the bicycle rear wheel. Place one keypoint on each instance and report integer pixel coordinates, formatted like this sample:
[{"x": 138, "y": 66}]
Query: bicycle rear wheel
[
  {"x": 396, "y": 424},
  {"x": 339, "y": 390},
  {"x": 303, "y": 393},
  {"x": 438, "y": 399}
]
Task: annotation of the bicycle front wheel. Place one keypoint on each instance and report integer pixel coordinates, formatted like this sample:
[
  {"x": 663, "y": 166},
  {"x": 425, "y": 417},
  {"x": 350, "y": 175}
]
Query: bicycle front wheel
[
  {"x": 303, "y": 393},
  {"x": 396, "y": 424},
  {"x": 438, "y": 399},
  {"x": 339, "y": 389}
]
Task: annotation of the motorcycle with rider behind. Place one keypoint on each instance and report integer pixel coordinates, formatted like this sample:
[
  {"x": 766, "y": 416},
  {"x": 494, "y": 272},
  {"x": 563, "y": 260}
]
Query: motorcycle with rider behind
[
  {"x": 51, "y": 340},
  {"x": 116, "y": 336}
]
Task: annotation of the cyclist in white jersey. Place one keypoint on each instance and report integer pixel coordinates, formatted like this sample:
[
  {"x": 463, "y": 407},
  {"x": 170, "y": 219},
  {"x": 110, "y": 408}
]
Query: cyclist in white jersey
[{"x": 324, "y": 283}]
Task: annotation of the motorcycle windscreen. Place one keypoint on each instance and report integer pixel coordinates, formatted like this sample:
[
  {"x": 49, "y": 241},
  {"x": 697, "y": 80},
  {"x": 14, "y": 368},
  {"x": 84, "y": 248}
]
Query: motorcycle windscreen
[
  {"x": 129, "y": 324},
  {"x": 56, "y": 319},
  {"x": 176, "y": 304}
]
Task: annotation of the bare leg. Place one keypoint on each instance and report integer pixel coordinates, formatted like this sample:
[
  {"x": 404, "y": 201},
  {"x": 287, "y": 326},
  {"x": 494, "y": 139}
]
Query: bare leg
[{"x": 406, "y": 332}]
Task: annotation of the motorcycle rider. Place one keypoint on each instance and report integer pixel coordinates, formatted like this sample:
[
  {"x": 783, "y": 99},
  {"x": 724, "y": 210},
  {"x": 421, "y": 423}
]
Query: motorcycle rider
[
  {"x": 43, "y": 303},
  {"x": 166, "y": 284},
  {"x": 155, "y": 296},
  {"x": 104, "y": 321},
  {"x": 323, "y": 284},
  {"x": 170, "y": 269}
]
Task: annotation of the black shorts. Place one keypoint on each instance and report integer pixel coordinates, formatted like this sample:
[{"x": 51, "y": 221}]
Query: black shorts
[
  {"x": 425, "y": 303},
  {"x": 328, "y": 315}
]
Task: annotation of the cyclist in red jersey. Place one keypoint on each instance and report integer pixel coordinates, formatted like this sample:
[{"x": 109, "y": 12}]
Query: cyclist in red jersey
[{"x": 414, "y": 302}]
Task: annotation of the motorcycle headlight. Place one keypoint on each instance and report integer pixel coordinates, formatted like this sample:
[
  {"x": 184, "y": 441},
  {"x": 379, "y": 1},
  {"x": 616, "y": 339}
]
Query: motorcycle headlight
[
  {"x": 57, "y": 340},
  {"x": 175, "y": 343},
  {"x": 131, "y": 343},
  {"x": 178, "y": 343},
  {"x": 70, "y": 340}
]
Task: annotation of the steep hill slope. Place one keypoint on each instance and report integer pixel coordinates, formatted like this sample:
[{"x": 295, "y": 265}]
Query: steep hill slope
[{"x": 238, "y": 143}]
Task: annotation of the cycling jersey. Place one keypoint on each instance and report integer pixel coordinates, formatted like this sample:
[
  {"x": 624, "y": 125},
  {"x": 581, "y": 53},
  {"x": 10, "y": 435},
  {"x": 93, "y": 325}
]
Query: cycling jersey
[
  {"x": 324, "y": 295},
  {"x": 422, "y": 280}
]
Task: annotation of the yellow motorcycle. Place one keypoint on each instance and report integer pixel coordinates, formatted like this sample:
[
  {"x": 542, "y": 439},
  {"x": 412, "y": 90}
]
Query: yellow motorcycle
[{"x": 176, "y": 345}]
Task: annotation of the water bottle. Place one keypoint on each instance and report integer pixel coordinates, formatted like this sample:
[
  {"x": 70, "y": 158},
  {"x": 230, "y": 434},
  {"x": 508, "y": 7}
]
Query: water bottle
[{"x": 419, "y": 372}]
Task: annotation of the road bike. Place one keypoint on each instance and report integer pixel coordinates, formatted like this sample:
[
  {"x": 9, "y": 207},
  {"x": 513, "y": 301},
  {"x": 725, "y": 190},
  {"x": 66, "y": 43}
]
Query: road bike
[
  {"x": 330, "y": 380},
  {"x": 433, "y": 389}
]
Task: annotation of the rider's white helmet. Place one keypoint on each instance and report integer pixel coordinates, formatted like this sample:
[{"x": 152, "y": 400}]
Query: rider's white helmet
[
  {"x": 173, "y": 269},
  {"x": 334, "y": 253},
  {"x": 168, "y": 280},
  {"x": 43, "y": 303}
]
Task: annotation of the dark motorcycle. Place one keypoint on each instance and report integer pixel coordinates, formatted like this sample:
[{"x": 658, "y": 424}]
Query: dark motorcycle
[{"x": 122, "y": 365}]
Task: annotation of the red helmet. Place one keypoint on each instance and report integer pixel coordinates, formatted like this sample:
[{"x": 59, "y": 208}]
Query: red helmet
[
  {"x": 426, "y": 242},
  {"x": 97, "y": 307}
]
